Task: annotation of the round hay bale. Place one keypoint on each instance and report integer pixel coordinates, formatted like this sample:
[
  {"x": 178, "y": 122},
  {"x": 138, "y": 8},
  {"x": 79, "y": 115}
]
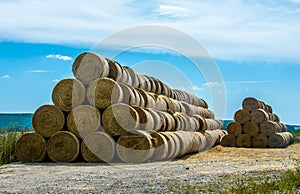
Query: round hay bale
[
  {"x": 171, "y": 145},
  {"x": 269, "y": 108},
  {"x": 146, "y": 122},
  {"x": 68, "y": 93},
  {"x": 251, "y": 104},
  {"x": 47, "y": 120},
  {"x": 213, "y": 124},
  {"x": 242, "y": 116},
  {"x": 160, "y": 145},
  {"x": 127, "y": 76},
  {"x": 89, "y": 66},
  {"x": 104, "y": 92},
  {"x": 63, "y": 147},
  {"x": 250, "y": 128},
  {"x": 149, "y": 101},
  {"x": 215, "y": 136},
  {"x": 135, "y": 147},
  {"x": 201, "y": 121},
  {"x": 128, "y": 96},
  {"x": 158, "y": 120},
  {"x": 259, "y": 141},
  {"x": 170, "y": 123},
  {"x": 115, "y": 71},
  {"x": 270, "y": 127},
  {"x": 83, "y": 120},
  {"x": 177, "y": 144},
  {"x": 234, "y": 128},
  {"x": 228, "y": 140},
  {"x": 131, "y": 73},
  {"x": 259, "y": 115},
  {"x": 243, "y": 140},
  {"x": 280, "y": 140},
  {"x": 98, "y": 147},
  {"x": 186, "y": 142},
  {"x": 31, "y": 147},
  {"x": 203, "y": 141},
  {"x": 119, "y": 118}
]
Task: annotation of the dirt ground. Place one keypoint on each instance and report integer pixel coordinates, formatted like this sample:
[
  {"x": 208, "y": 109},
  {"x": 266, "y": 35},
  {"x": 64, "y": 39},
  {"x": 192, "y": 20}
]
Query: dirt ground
[{"x": 203, "y": 169}]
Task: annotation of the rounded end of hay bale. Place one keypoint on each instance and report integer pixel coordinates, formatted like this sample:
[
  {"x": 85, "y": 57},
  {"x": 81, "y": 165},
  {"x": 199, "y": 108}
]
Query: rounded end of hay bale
[
  {"x": 98, "y": 147},
  {"x": 104, "y": 92},
  {"x": 234, "y": 128},
  {"x": 243, "y": 140},
  {"x": 31, "y": 147},
  {"x": 259, "y": 141},
  {"x": 115, "y": 71},
  {"x": 68, "y": 93},
  {"x": 250, "y": 104},
  {"x": 119, "y": 118},
  {"x": 160, "y": 146},
  {"x": 83, "y": 120},
  {"x": 242, "y": 116},
  {"x": 259, "y": 115},
  {"x": 135, "y": 148},
  {"x": 228, "y": 141},
  {"x": 63, "y": 147},
  {"x": 89, "y": 66},
  {"x": 47, "y": 120},
  {"x": 251, "y": 128}
]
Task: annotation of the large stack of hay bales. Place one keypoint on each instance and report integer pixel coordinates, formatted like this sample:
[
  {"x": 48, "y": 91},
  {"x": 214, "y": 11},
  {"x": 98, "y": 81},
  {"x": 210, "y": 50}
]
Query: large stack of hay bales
[
  {"x": 255, "y": 125},
  {"x": 108, "y": 113}
]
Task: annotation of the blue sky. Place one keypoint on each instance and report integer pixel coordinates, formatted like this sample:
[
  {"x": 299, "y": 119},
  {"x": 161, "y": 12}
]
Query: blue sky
[{"x": 256, "y": 46}]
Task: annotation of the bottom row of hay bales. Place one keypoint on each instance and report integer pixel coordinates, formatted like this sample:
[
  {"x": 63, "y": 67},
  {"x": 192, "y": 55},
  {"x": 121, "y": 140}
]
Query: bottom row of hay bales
[{"x": 99, "y": 147}]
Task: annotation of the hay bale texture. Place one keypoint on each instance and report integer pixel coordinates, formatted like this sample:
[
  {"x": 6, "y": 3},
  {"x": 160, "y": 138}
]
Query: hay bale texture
[
  {"x": 256, "y": 126},
  {"x": 109, "y": 113}
]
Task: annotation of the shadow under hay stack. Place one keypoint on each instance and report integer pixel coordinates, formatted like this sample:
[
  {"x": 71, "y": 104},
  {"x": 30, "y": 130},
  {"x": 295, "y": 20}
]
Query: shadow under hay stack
[
  {"x": 256, "y": 126},
  {"x": 108, "y": 113}
]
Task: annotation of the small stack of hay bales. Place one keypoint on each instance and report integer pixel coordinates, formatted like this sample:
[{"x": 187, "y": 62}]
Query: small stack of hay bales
[
  {"x": 108, "y": 113},
  {"x": 255, "y": 125}
]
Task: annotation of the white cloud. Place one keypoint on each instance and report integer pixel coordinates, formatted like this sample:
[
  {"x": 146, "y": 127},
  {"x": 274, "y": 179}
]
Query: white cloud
[
  {"x": 55, "y": 81},
  {"x": 212, "y": 84},
  {"x": 197, "y": 88},
  {"x": 5, "y": 76},
  {"x": 172, "y": 11},
  {"x": 59, "y": 56},
  {"x": 37, "y": 71},
  {"x": 229, "y": 29}
]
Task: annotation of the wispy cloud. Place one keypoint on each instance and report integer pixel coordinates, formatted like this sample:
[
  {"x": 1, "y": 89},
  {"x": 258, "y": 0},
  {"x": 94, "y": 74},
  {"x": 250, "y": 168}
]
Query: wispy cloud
[
  {"x": 213, "y": 84},
  {"x": 5, "y": 77},
  {"x": 197, "y": 88},
  {"x": 37, "y": 71},
  {"x": 55, "y": 81},
  {"x": 59, "y": 56},
  {"x": 172, "y": 11}
]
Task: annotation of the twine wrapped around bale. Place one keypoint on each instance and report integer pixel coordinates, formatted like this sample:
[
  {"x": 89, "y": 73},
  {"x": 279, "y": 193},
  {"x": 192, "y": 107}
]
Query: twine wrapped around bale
[
  {"x": 31, "y": 147},
  {"x": 68, "y": 93},
  {"x": 98, "y": 147},
  {"x": 104, "y": 92},
  {"x": 119, "y": 118},
  {"x": 89, "y": 66},
  {"x": 84, "y": 120},
  {"x": 135, "y": 147},
  {"x": 63, "y": 147},
  {"x": 47, "y": 120}
]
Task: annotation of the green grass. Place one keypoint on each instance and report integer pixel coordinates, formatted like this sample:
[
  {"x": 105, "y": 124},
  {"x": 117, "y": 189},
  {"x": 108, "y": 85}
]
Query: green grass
[
  {"x": 296, "y": 134},
  {"x": 7, "y": 146}
]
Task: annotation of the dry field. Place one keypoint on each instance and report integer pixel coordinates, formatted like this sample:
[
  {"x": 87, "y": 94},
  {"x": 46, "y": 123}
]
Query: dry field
[{"x": 211, "y": 171}]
